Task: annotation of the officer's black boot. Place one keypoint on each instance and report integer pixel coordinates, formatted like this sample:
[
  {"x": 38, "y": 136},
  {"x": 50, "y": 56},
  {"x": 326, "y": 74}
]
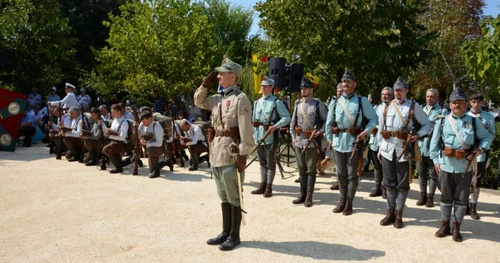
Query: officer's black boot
[
  {"x": 234, "y": 237},
  {"x": 155, "y": 168},
  {"x": 118, "y": 164},
  {"x": 226, "y": 226},
  {"x": 473, "y": 211}
]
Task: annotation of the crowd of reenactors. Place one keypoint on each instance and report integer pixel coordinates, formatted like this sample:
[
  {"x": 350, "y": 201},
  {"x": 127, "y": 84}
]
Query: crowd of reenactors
[{"x": 449, "y": 144}]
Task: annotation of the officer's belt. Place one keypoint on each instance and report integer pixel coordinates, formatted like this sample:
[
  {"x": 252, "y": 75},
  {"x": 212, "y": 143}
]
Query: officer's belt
[
  {"x": 459, "y": 154},
  {"x": 224, "y": 133},
  {"x": 402, "y": 135},
  {"x": 307, "y": 133},
  {"x": 353, "y": 131}
]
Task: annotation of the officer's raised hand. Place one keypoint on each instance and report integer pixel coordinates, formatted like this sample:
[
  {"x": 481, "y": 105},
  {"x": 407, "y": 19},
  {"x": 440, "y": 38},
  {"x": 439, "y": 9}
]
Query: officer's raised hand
[{"x": 210, "y": 79}]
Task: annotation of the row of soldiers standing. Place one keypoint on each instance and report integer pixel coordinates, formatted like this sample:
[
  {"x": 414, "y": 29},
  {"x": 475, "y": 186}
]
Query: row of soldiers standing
[{"x": 450, "y": 140}]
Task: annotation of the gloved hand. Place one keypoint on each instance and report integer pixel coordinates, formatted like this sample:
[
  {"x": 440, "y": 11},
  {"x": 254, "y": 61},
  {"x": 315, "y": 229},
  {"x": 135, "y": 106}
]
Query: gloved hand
[{"x": 209, "y": 79}]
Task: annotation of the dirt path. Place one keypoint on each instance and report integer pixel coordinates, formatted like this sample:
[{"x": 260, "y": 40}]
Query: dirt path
[{"x": 55, "y": 211}]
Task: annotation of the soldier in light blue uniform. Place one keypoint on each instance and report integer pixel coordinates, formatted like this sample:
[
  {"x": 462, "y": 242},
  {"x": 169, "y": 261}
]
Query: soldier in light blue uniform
[
  {"x": 488, "y": 120},
  {"x": 345, "y": 121},
  {"x": 455, "y": 135},
  {"x": 425, "y": 167},
  {"x": 328, "y": 135},
  {"x": 396, "y": 122},
  {"x": 386, "y": 96},
  {"x": 269, "y": 114},
  {"x": 308, "y": 121}
]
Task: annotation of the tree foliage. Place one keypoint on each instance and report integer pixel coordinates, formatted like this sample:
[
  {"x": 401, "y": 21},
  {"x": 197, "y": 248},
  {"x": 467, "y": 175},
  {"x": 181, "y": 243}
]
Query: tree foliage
[
  {"x": 167, "y": 45},
  {"x": 35, "y": 44},
  {"x": 482, "y": 54},
  {"x": 453, "y": 22},
  {"x": 377, "y": 40}
]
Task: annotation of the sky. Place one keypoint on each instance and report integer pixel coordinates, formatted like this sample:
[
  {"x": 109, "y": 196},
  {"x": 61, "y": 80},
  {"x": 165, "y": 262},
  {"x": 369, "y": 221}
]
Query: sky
[{"x": 492, "y": 8}]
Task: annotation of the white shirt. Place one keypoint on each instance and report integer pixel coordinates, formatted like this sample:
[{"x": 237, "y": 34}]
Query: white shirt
[
  {"x": 122, "y": 133},
  {"x": 66, "y": 122},
  {"x": 394, "y": 122},
  {"x": 67, "y": 102},
  {"x": 75, "y": 125},
  {"x": 195, "y": 134},
  {"x": 153, "y": 128}
]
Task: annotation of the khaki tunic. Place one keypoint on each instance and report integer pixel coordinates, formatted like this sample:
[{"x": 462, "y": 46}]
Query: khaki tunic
[{"x": 236, "y": 111}]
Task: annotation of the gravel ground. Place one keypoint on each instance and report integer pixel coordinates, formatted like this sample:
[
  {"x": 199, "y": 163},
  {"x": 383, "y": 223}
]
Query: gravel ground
[{"x": 55, "y": 211}]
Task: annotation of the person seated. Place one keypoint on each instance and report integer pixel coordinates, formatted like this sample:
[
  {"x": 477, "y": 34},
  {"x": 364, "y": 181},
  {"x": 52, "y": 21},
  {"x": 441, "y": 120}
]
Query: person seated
[
  {"x": 151, "y": 135},
  {"x": 118, "y": 138},
  {"x": 92, "y": 138},
  {"x": 194, "y": 139},
  {"x": 71, "y": 135},
  {"x": 28, "y": 129}
]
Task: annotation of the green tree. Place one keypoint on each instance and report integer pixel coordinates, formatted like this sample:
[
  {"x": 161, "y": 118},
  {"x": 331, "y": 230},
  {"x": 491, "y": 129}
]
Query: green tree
[
  {"x": 377, "y": 40},
  {"x": 482, "y": 55},
  {"x": 231, "y": 26},
  {"x": 165, "y": 45},
  {"x": 35, "y": 44},
  {"x": 452, "y": 22}
]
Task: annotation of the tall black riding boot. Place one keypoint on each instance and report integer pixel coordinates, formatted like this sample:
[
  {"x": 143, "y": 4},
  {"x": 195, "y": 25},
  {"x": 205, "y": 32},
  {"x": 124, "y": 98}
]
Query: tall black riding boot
[
  {"x": 226, "y": 226},
  {"x": 93, "y": 158},
  {"x": 155, "y": 167},
  {"x": 234, "y": 237}
]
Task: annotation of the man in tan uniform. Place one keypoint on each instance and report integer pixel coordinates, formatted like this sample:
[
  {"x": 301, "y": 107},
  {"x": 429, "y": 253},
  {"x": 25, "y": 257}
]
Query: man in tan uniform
[{"x": 232, "y": 122}]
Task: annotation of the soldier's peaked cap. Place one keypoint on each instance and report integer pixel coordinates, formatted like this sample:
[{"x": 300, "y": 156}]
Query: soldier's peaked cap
[
  {"x": 306, "y": 83},
  {"x": 400, "y": 83},
  {"x": 458, "y": 94},
  {"x": 348, "y": 76}
]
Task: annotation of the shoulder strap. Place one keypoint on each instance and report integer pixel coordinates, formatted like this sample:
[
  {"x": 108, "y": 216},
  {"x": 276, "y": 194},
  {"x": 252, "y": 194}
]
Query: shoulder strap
[
  {"x": 334, "y": 124},
  {"x": 476, "y": 140},
  {"x": 360, "y": 111},
  {"x": 348, "y": 114},
  {"x": 410, "y": 115},
  {"x": 385, "y": 116},
  {"x": 454, "y": 127},
  {"x": 316, "y": 120}
]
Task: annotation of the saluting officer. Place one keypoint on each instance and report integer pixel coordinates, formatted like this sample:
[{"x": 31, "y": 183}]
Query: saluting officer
[
  {"x": 453, "y": 146},
  {"x": 269, "y": 115},
  {"x": 425, "y": 167},
  {"x": 488, "y": 121},
  {"x": 232, "y": 122},
  {"x": 396, "y": 121},
  {"x": 306, "y": 127},
  {"x": 68, "y": 101},
  {"x": 347, "y": 126}
]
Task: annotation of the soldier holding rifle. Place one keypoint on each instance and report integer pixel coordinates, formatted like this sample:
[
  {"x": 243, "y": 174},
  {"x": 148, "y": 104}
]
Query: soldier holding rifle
[
  {"x": 457, "y": 139},
  {"x": 307, "y": 125},
  {"x": 396, "y": 120},
  {"x": 151, "y": 135},
  {"x": 269, "y": 115},
  {"x": 351, "y": 120}
]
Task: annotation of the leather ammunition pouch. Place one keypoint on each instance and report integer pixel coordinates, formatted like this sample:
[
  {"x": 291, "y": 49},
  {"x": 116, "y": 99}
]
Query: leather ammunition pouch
[
  {"x": 256, "y": 124},
  {"x": 459, "y": 154},
  {"x": 374, "y": 131},
  {"x": 266, "y": 126},
  {"x": 210, "y": 134},
  {"x": 241, "y": 163},
  {"x": 353, "y": 131},
  {"x": 307, "y": 133},
  {"x": 402, "y": 135},
  {"x": 298, "y": 130}
]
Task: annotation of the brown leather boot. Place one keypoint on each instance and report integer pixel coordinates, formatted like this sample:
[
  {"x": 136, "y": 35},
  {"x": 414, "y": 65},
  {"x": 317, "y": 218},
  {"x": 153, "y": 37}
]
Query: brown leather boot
[
  {"x": 334, "y": 187},
  {"x": 348, "y": 208},
  {"x": 260, "y": 190},
  {"x": 388, "y": 219},
  {"x": 430, "y": 200},
  {"x": 269, "y": 191},
  {"x": 301, "y": 199},
  {"x": 297, "y": 180},
  {"x": 377, "y": 191},
  {"x": 444, "y": 230},
  {"x": 340, "y": 207},
  {"x": 398, "y": 223},
  {"x": 457, "y": 237},
  {"x": 309, "y": 199},
  {"x": 423, "y": 199},
  {"x": 473, "y": 211}
]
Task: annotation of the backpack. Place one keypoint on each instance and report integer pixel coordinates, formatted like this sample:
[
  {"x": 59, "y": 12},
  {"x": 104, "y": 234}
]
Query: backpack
[{"x": 165, "y": 122}]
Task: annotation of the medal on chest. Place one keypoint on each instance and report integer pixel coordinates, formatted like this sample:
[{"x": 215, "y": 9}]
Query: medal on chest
[{"x": 228, "y": 103}]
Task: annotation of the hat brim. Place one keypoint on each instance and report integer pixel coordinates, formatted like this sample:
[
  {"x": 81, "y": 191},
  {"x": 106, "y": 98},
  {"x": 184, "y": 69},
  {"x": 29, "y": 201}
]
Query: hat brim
[
  {"x": 458, "y": 98},
  {"x": 400, "y": 87},
  {"x": 222, "y": 69}
]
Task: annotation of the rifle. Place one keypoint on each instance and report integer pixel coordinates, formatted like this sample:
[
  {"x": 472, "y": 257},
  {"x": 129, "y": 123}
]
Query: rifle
[
  {"x": 101, "y": 146},
  {"x": 138, "y": 147},
  {"x": 51, "y": 139},
  {"x": 261, "y": 141},
  {"x": 82, "y": 152},
  {"x": 311, "y": 138},
  {"x": 470, "y": 159},
  {"x": 58, "y": 156}
]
